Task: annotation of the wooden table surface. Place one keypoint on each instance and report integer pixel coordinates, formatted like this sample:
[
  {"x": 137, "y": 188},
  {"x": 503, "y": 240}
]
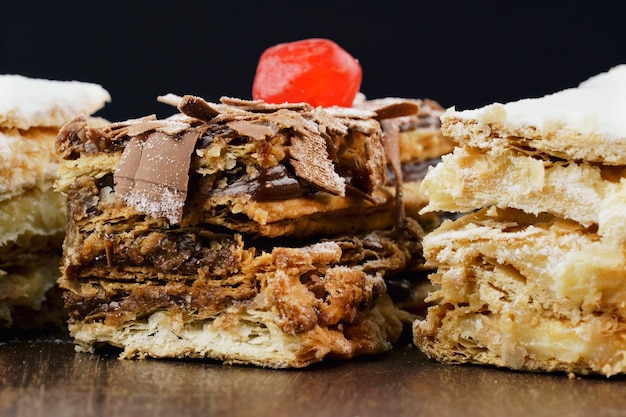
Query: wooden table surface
[{"x": 45, "y": 377}]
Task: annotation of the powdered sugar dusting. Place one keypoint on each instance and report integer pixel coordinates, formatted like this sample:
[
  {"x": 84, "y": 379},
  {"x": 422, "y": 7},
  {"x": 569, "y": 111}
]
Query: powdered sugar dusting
[
  {"x": 157, "y": 201},
  {"x": 27, "y": 102},
  {"x": 597, "y": 105},
  {"x": 323, "y": 247}
]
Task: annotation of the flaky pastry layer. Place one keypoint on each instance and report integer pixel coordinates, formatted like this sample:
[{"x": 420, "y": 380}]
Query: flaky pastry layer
[
  {"x": 525, "y": 292},
  {"x": 23, "y": 291},
  {"x": 27, "y": 159},
  {"x": 238, "y": 335},
  {"x": 280, "y": 307},
  {"x": 31, "y": 221},
  {"x": 469, "y": 179}
]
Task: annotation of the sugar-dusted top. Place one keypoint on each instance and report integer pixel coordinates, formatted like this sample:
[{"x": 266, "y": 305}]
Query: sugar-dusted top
[
  {"x": 597, "y": 105},
  {"x": 28, "y": 102}
]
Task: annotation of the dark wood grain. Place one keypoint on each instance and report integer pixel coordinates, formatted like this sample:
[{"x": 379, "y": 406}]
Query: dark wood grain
[{"x": 47, "y": 378}]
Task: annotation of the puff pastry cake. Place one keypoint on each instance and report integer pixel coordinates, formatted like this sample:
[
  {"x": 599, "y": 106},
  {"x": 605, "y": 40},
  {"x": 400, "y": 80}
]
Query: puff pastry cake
[
  {"x": 533, "y": 276},
  {"x": 32, "y": 215},
  {"x": 239, "y": 231}
]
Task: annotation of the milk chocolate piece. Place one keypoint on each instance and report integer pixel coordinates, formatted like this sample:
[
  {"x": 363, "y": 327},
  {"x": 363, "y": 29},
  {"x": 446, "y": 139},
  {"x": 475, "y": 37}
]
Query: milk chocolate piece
[
  {"x": 310, "y": 159},
  {"x": 153, "y": 173},
  {"x": 129, "y": 163},
  {"x": 256, "y": 131},
  {"x": 197, "y": 107},
  {"x": 395, "y": 109}
]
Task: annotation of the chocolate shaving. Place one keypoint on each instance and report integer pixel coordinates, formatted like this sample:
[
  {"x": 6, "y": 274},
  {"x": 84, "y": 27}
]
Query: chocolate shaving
[
  {"x": 198, "y": 107},
  {"x": 153, "y": 173},
  {"x": 170, "y": 99},
  {"x": 166, "y": 126},
  {"x": 124, "y": 177},
  {"x": 397, "y": 109},
  {"x": 261, "y": 106},
  {"x": 256, "y": 131},
  {"x": 311, "y": 161},
  {"x": 76, "y": 137},
  {"x": 392, "y": 112},
  {"x": 392, "y": 148},
  {"x": 119, "y": 130}
]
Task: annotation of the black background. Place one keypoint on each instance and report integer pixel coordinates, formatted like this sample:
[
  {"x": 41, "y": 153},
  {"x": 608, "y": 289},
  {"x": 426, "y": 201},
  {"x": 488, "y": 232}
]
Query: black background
[{"x": 465, "y": 54}]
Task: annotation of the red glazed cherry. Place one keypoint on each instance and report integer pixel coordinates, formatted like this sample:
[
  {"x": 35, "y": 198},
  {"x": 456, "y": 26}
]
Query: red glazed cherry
[{"x": 314, "y": 71}]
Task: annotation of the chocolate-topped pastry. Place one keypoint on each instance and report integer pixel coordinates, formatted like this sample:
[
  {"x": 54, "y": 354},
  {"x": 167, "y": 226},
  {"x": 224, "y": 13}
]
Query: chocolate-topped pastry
[
  {"x": 247, "y": 231},
  {"x": 240, "y": 231}
]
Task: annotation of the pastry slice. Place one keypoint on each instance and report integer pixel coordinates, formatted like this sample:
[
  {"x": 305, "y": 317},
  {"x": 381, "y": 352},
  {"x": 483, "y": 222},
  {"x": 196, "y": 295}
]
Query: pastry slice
[
  {"x": 531, "y": 276},
  {"x": 238, "y": 231},
  {"x": 420, "y": 136},
  {"x": 32, "y": 214},
  {"x": 525, "y": 292}
]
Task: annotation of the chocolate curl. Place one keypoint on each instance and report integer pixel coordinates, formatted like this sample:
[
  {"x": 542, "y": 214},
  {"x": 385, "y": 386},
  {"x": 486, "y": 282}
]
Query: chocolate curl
[
  {"x": 310, "y": 159},
  {"x": 198, "y": 107},
  {"x": 391, "y": 140},
  {"x": 388, "y": 116}
]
